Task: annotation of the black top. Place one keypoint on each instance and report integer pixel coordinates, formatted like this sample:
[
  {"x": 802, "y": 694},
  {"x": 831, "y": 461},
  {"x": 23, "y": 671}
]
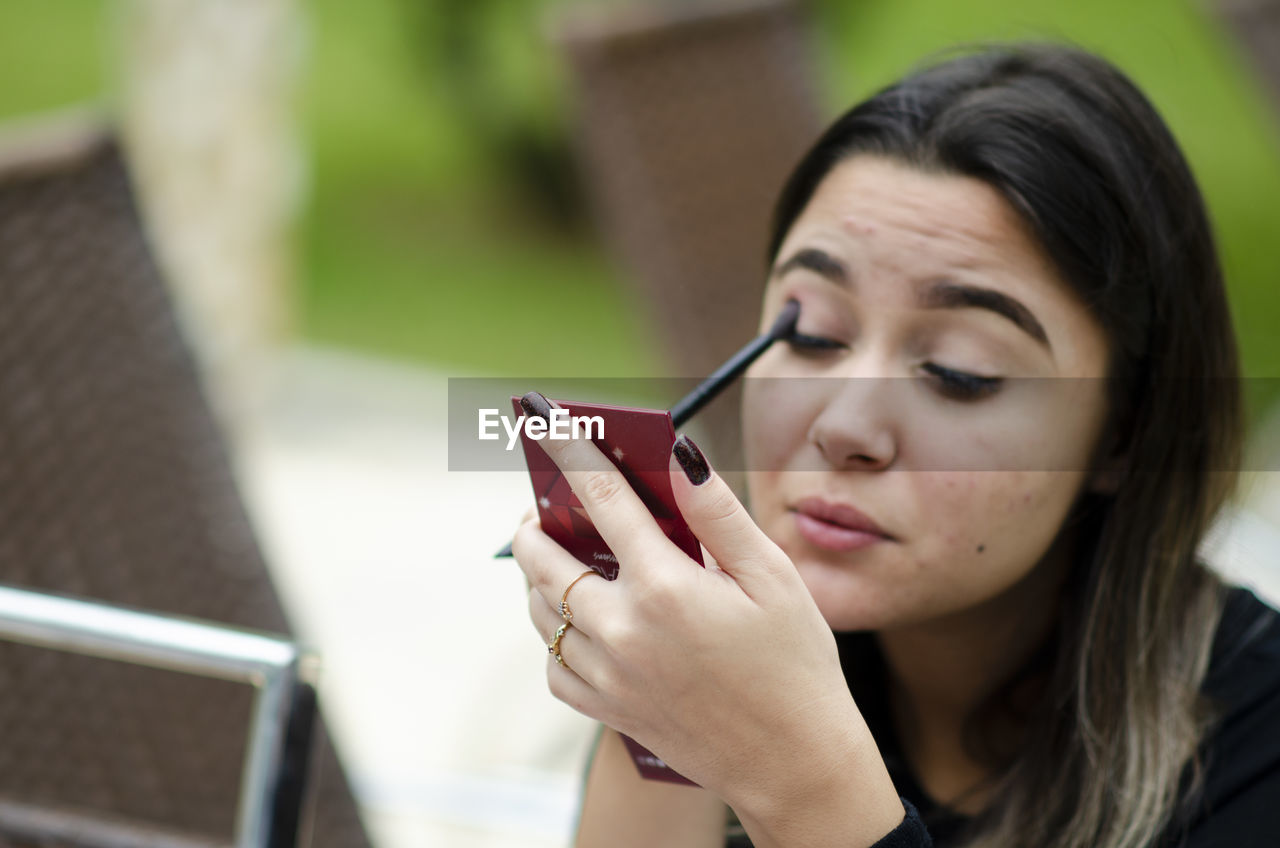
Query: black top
[{"x": 1240, "y": 803}]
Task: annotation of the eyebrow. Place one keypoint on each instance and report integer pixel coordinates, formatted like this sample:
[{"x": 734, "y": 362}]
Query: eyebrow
[
  {"x": 817, "y": 261},
  {"x": 939, "y": 294},
  {"x": 946, "y": 294}
]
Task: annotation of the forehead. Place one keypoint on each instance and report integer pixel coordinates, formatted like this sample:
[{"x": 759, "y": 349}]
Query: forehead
[{"x": 950, "y": 217}]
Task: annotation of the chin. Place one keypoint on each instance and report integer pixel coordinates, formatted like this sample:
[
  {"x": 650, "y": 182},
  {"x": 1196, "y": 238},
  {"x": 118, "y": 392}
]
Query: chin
[
  {"x": 846, "y": 602},
  {"x": 873, "y": 598}
]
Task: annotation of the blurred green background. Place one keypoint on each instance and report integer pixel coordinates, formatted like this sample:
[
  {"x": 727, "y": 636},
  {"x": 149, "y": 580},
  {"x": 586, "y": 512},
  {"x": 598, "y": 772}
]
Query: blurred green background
[{"x": 441, "y": 180}]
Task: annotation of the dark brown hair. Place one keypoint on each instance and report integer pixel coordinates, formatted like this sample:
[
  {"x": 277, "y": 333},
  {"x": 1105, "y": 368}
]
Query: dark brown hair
[{"x": 1077, "y": 150}]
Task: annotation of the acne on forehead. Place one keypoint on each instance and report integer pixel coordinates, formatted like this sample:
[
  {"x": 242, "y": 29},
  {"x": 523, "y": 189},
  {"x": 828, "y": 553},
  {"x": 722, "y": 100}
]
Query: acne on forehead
[
  {"x": 964, "y": 238},
  {"x": 956, "y": 245},
  {"x": 857, "y": 226}
]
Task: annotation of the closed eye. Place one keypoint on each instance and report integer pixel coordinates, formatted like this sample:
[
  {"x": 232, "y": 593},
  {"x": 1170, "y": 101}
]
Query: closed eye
[
  {"x": 802, "y": 343},
  {"x": 961, "y": 385}
]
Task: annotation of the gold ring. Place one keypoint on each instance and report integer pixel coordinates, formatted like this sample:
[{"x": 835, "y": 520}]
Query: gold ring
[
  {"x": 553, "y": 647},
  {"x": 565, "y": 612}
]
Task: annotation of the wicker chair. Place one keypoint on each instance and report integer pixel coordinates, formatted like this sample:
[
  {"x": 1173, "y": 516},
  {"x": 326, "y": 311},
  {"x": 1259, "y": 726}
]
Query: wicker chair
[
  {"x": 689, "y": 117},
  {"x": 114, "y": 486},
  {"x": 1256, "y": 27}
]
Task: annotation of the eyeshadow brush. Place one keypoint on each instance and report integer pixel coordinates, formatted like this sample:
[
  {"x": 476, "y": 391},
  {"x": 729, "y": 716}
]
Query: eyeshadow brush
[{"x": 706, "y": 391}]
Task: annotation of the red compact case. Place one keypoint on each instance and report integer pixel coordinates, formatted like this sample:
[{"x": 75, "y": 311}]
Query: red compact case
[{"x": 637, "y": 441}]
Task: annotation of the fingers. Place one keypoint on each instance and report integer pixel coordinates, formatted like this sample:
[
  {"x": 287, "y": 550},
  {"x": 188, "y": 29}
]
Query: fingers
[
  {"x": 720, "y": 521},
  {"x": 578, "y": 655},
  {"x": 549, "y": 569},
  {"x": 619, "y": 516}
]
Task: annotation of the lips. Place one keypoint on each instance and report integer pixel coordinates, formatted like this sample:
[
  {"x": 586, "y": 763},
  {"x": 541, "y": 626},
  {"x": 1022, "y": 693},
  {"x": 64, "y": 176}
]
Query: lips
[{"x": 836, "y": 526}]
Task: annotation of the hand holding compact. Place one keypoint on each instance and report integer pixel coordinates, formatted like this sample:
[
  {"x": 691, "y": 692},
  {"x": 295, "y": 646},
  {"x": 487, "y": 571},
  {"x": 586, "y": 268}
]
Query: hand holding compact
[{"x": 728, "y": 673}]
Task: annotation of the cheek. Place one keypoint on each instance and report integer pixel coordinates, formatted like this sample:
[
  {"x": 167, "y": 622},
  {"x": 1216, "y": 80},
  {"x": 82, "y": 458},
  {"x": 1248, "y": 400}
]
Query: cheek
[
  {"x": 999, "y": 441},
  {"x": 776, "y": 415},
  {"x": 968, "y": 504},
  {"x": 989, "y": 528},
  {"x": 1032, "y": 425},
  {"x": 1039, "y": 425}
]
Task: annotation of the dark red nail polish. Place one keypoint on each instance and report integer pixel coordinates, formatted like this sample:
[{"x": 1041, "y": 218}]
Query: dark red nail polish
[
  {"x": 535, "y": 405},
  {"x": 691, "y": 460}
]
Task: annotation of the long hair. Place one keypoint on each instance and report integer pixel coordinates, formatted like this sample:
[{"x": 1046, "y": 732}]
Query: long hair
[{"x": 1077, "y": 150}]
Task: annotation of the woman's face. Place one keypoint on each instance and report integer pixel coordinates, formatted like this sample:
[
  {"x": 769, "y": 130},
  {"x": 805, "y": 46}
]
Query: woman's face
[{"x": 955, "y": 404}]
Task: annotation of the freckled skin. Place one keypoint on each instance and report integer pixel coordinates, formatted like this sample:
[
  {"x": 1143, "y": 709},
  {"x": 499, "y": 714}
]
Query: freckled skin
[{"x": 945, "y": 478}]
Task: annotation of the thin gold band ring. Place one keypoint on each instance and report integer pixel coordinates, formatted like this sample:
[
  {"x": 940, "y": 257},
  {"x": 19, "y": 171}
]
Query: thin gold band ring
[{"x": 565, "y": 612}]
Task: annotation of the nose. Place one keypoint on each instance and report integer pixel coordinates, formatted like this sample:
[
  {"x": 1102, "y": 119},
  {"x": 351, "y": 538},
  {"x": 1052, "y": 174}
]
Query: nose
[{"x": 854, "y": 430}]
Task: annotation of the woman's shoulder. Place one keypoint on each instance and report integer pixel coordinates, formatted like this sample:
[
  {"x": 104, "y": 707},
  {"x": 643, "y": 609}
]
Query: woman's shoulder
[
  {"x": 1241, "y": 754},
  {"x": 1244, "y": 668},
  {"x": 1243, "y": 689}
]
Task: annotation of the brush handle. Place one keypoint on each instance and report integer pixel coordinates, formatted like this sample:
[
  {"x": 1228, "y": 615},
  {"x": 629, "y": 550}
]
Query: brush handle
[{"x": 708, "y": 389}]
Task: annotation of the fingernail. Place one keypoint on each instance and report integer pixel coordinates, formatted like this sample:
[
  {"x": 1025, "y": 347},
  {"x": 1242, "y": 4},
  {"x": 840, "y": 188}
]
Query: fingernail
[
  {"x": 536, "y": 406},
  {"x": 691, "y": 460}
]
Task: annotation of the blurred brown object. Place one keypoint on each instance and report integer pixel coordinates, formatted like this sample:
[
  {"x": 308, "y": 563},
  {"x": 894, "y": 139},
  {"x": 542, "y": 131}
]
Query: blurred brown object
[
  {"x": 115, "y": 486},
  {"x": 689, "y": 118},
  {"x": 1256, "y": 27}
]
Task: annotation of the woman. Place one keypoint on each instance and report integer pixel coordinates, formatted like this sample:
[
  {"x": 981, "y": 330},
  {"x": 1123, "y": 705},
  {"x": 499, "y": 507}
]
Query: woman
[{"x": 967, "y": 595}]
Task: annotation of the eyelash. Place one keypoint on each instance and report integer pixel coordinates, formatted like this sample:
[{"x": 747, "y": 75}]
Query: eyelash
[
  {"x": 961, "y": 385},
  {"x": 813, "y": 344},
  {"x": 956, "y": 385}
]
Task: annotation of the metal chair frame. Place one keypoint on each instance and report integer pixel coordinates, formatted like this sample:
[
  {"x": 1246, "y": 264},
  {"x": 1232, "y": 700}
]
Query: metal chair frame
[{"x": 271, "y": 664}]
